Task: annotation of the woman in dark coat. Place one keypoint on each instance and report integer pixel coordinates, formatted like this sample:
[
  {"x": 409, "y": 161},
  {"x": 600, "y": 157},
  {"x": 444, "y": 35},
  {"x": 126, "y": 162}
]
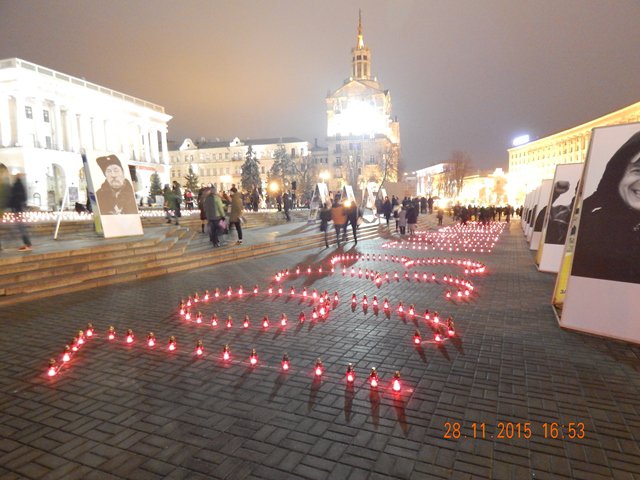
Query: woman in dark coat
[
  {"x": 412, "y": 219},
  {"x": 387, "y": 209},
  {"x": 608, "y": 242}
]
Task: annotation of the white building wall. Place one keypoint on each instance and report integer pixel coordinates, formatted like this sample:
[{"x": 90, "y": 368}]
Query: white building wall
[{"x": 70, "y": 116}]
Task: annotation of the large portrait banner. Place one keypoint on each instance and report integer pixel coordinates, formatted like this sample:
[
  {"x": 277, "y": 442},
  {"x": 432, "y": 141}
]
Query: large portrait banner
[
  {"x": 541, "y": 209},
  {"x": 603, "y": 289},
  {"x": 115, "y": 197},
  {"x": 558, "y": 216},
  {"x": 531, "y": 215}
]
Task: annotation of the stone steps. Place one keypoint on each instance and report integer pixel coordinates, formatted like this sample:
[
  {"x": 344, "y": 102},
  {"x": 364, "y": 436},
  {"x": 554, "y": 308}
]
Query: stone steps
[{"x": 172, "y": 250}]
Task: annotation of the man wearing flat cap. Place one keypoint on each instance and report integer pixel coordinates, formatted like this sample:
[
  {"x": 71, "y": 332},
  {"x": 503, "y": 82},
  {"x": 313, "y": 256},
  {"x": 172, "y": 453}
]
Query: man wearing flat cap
[{"x": 115, "y": 195}]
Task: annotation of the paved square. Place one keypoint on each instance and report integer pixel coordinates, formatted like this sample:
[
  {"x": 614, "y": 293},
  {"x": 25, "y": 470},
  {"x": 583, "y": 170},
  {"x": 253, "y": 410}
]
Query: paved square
[{"x": 130, "y": 411}]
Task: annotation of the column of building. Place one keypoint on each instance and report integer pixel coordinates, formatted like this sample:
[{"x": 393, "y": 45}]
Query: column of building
[
  {"x": 58, "y": 130},
  {"x": 155, "y": 154},
  {"x": 20, "y": 120},
  {"x": 165, "y": 149},
  {"x": 6, "y": 132}
]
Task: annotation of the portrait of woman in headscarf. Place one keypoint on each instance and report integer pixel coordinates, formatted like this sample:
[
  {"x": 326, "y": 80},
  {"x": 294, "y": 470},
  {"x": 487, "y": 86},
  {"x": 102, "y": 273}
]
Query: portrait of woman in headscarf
[{"x": 608, "y": 242}]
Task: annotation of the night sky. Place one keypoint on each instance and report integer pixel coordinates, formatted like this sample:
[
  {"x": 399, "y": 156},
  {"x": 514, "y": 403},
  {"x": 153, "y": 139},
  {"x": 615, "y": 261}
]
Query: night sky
[{"x": 463, "y": 75}]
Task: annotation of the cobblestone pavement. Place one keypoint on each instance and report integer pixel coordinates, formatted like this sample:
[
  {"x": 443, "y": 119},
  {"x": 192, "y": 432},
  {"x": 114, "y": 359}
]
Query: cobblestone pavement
[{"x": 134, "y": 412}]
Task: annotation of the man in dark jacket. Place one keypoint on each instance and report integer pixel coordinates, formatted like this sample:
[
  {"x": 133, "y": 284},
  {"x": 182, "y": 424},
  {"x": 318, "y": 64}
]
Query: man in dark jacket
[
  {"x": 18, "y": 204},
  {"x": 352, "y": 219}
]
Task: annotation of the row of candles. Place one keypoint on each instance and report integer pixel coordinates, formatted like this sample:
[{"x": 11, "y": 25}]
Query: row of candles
[
  {"x": 73, "y": 216},
  {"x": 199, "y": 352},
  {"x": 473, "y": 237}
]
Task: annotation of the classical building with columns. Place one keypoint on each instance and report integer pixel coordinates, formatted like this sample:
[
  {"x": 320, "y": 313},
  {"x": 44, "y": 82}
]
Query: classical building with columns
[
  {"x": 362, "y": 137},
  {"x": 535, "y": 161},
  {"x": 48, "y": 118},
  {"x": 220, "y": 162}
]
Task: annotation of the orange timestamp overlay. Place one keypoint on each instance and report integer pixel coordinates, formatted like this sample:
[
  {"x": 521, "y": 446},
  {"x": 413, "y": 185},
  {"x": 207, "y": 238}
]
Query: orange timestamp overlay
[{"x": 514, "y": 430}]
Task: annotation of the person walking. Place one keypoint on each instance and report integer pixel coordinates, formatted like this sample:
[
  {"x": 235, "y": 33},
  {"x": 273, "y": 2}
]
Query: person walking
[
  {"x": 178, "y": 201},
  {"x": 18, "y": 205},
  {"x": 214, "y": 210},
  {"x": 325, "y": 217},
  {"x": 401, "y": 221},
  {"x": 387, "y": 209},
  {"x": 286, "y": 199},
  {"x": 352, "y": 219},
  {"x": 170, "y": 204},
  {"x": 412, "y": 219},
  {"x": 339, "y": 218},
  {"x": 255, "y": 199},
  {"x": 5, "y": 190},
  {"x": 235, "y": 213},
  {"x": 203, "y": 217}
]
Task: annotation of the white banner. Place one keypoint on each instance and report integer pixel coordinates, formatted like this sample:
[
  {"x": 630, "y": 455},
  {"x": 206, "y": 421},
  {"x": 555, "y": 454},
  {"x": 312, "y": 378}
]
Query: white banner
[
  {"x": 603, "y": 291},
  {"x": 115, "y": 196},
  {"x": 558, "y": 216}
]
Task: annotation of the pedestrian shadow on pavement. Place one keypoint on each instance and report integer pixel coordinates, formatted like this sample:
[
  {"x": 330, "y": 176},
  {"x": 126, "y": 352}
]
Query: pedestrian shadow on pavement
[
  {"x": 420, "y": 351},
  {"x": 457, "y": 342},
  {"x": 243, "y": 378},
  {"x": 348, "y": 402},
  {"x": 307, "y": 227},
  {"x": 374, "y": 400},
  {"x": 443, "y": 351},
  {"x": 398, "y": 403},
  {"x": 313, "y": 394},
  {"x": 277, "y": 384}
]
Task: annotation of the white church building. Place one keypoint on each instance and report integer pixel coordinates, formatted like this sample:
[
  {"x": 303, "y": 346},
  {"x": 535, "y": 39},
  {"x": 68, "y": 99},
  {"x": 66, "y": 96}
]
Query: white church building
[{"x": 48, "y": 118}]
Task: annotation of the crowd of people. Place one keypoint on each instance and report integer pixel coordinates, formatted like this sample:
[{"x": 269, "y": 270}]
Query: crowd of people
[
  {"x": 219, "y": 211},
  {"x": 343, "y": 213},
  {"x": 222, "y": 211},
  {"x": 481, "y": 214}
]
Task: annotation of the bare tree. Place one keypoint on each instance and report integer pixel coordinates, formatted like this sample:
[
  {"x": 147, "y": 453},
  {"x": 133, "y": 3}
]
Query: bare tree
[{"x": 459, "y": 165}]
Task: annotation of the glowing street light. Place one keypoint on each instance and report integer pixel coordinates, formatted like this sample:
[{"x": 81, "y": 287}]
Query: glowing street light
[{"x": 520, "y": 140}]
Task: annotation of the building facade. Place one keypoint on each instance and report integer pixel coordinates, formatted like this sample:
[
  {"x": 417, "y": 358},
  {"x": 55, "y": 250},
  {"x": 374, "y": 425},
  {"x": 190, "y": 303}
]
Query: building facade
[
  {"x": 47, "y": 119},
  {"x": 535, "y": 161},
  {"x": 220, "y": 162},
  {"x": 362, "y": 138},
  {"x": 480, "y": 188}
]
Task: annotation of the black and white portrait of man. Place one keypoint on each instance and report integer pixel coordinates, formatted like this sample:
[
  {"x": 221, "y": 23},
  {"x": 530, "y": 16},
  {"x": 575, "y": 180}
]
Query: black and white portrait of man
[{"x": 115, "y": 195}]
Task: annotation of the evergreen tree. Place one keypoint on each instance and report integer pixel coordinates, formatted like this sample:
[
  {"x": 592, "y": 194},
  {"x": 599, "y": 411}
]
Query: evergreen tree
[
  {"x": 284, "y": 167},
  {"x": 191, "y": 180},
  {"x": 306, "y": 184},
  {"x": 250, "y": 171},
  {"x": 156, "y": 185}
]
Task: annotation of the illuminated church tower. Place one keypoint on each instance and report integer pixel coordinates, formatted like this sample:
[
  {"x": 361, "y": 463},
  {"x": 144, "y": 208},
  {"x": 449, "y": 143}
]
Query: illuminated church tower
[{"x": 363, "y": 139}]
